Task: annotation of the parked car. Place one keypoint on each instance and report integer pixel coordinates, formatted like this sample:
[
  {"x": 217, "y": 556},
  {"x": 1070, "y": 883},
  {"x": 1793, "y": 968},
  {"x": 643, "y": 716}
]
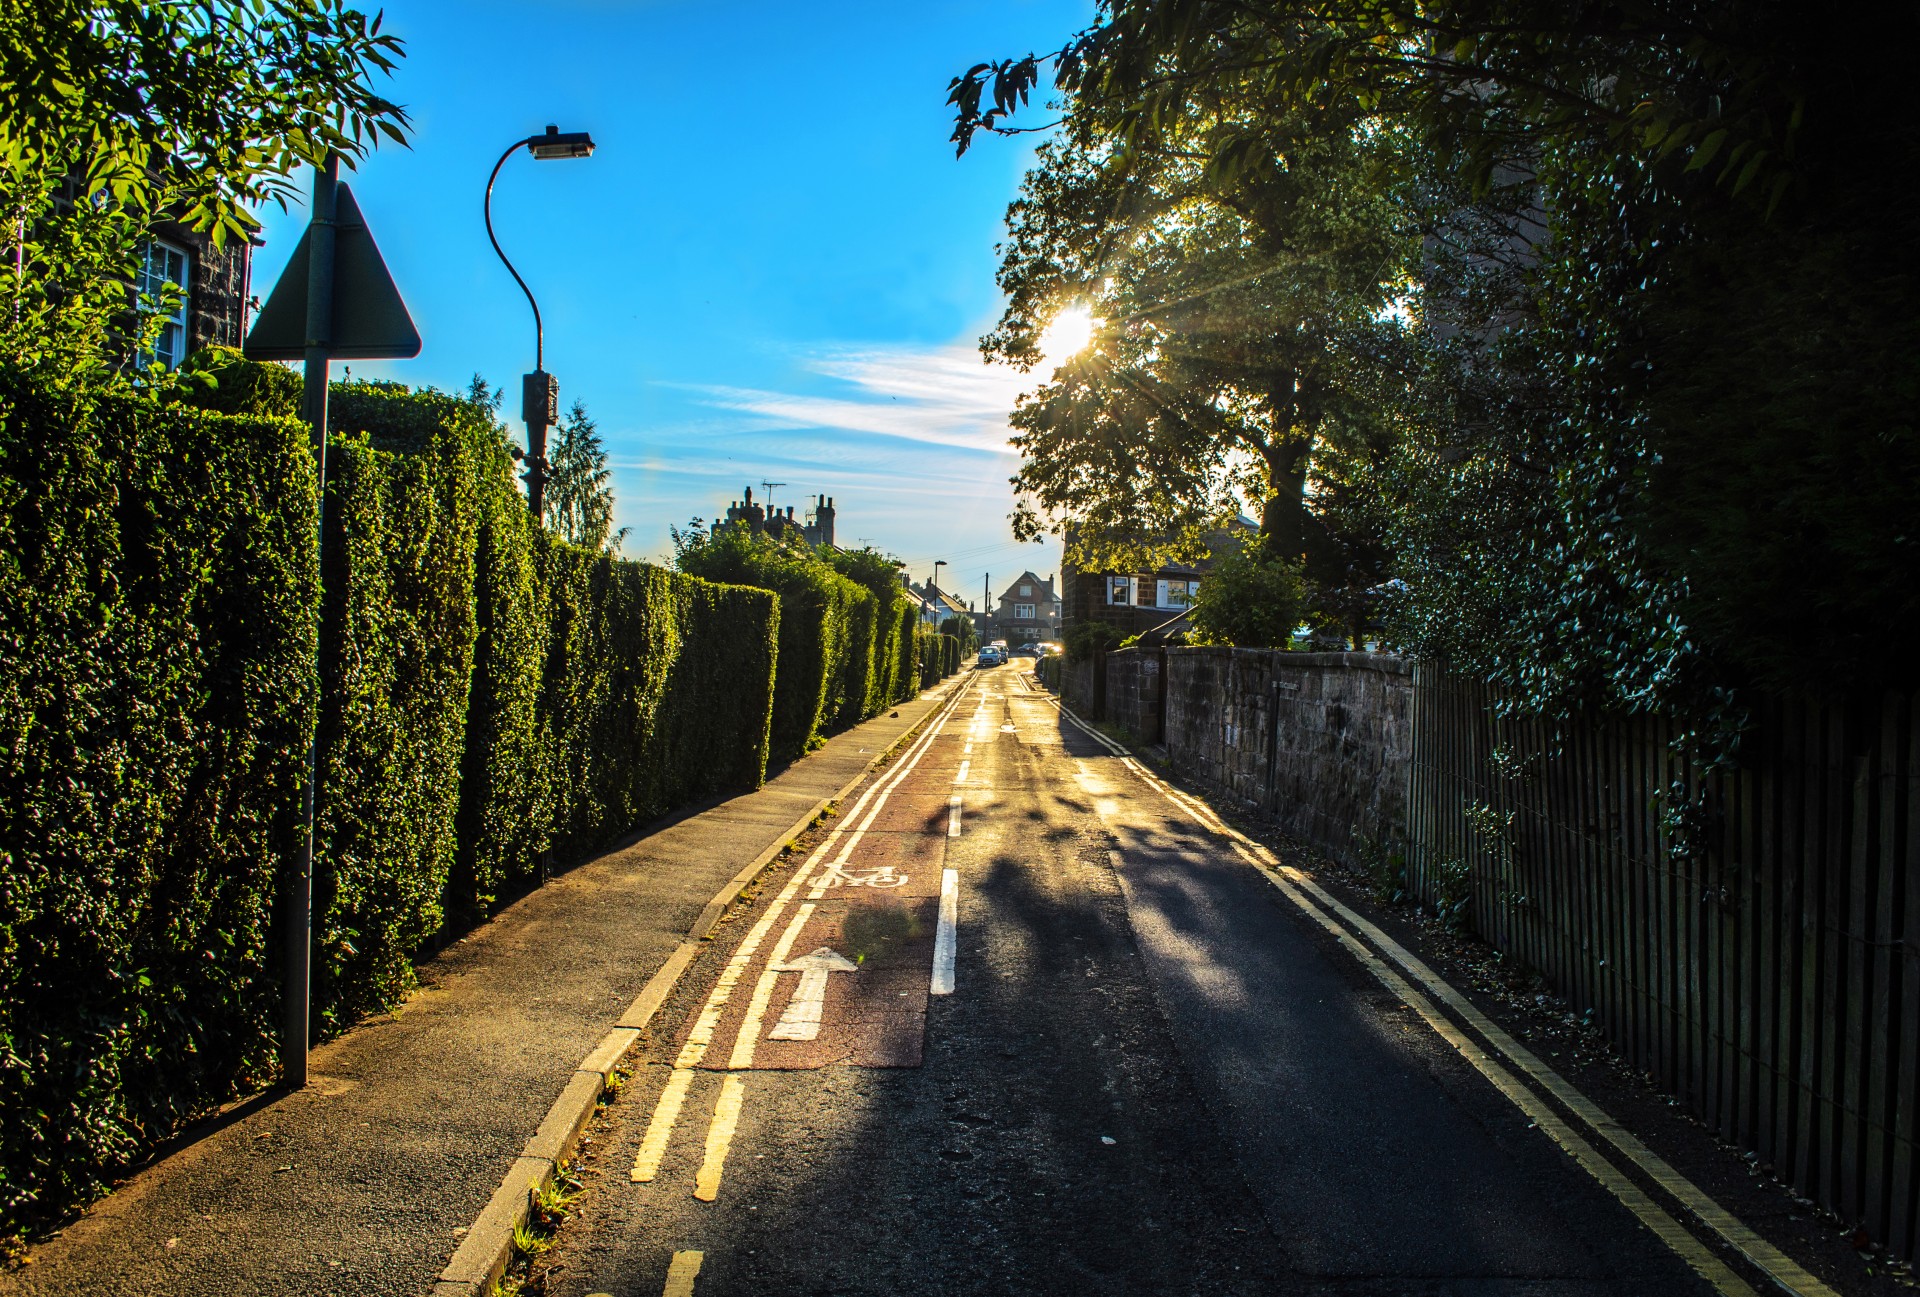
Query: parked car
[
  {"x": 990, "y": 656},
  {"x": 1027, "y": 651}
]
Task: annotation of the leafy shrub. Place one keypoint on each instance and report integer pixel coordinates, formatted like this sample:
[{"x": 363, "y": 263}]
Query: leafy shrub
[
  {"x": 397, "y": 642},
  {"x": 491, "y": 694},
  {"x": 158, "y": 602},
  {"x": 1249, "y": 599},
  {"x": 817, "y": 624},
  {"x": 657, "y": 689},
  {"x": 1088, "y": 637},
  {"x": 893, "y": 675}
]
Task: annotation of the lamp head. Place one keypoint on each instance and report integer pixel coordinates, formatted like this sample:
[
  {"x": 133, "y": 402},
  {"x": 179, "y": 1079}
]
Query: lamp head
[{"x": 554, "y": 144}]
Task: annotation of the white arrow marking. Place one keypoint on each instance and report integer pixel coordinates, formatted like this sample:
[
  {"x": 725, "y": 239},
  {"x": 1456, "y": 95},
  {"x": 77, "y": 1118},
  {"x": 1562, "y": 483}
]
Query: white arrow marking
[{"x": 801, "y": 1020}]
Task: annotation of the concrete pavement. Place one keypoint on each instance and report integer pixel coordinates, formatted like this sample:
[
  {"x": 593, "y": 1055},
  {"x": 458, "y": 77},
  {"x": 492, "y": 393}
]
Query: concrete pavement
[{"x": 365, "y": 1182}]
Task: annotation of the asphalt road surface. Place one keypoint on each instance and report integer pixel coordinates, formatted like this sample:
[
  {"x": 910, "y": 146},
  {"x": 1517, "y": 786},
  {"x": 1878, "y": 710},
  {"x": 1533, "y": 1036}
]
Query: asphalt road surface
[{"x": 1122, "y": 1062}]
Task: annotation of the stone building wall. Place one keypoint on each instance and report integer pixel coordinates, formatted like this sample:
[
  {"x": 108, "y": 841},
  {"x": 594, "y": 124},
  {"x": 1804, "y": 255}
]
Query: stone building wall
[{"x": 216, "y": 299}]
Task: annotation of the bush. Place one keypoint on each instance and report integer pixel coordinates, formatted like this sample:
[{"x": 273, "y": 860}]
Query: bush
[
  {"x": 658, "y": 689},
  {"x": 1086, "y": 638},
  {"x": 157, "y": 613},
  {"x": 503, "y": 814},
  {"x": 1249, "y": 599},
  {"x": 397, "y": 645},
  {"x": 491, "y": 695},
  {"x": 818, "y": 624},
  {"x": 893, "y": 675}
]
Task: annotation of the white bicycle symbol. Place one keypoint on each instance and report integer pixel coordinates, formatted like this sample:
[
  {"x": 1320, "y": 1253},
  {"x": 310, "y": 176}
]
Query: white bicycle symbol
[{"x": 878, "y": 876}]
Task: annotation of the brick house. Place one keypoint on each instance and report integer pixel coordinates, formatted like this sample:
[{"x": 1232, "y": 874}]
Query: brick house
[
  {"x": 1028, "y": 611},
  {"x": 1135, "y": 603}
]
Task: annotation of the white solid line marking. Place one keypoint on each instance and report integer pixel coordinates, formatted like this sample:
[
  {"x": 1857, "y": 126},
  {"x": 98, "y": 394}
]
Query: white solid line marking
[
  {"x": 953, "y": 816},
  {"x": 681, "y": 1272},
  {"x": 945, "y": 937},
  {"x": 749, "y": 1037},
  {"x": 961, "y": 778}
]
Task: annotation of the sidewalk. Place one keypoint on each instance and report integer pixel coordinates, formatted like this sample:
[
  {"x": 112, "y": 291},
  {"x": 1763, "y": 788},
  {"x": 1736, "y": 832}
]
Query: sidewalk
[{"x": 365, "y": 1182}]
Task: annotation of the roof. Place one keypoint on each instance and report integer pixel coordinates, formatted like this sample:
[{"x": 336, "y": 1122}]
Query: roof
[{"x": 1046, "y": 587}]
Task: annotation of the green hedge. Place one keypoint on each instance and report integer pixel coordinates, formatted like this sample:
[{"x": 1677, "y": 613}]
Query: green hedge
[
  {"x": 894, "y": 675},
  {"x": 397, "y": 655},
  {"x": 491, "y": 696},
  {"x": 822, "y": 629},
  {"x": 157, "y": 614},
  {"x": 939, "y": 654},
  {"x": 658, "y": 689}
]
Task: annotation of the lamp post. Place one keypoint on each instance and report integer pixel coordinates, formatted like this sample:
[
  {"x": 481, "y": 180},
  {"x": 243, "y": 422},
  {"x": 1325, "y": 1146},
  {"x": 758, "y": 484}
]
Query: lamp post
[{"x": 539, "y": 391}]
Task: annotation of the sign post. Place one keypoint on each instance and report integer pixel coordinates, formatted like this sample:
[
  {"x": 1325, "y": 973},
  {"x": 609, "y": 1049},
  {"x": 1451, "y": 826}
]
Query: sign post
[{"x": 335, "y": 298}]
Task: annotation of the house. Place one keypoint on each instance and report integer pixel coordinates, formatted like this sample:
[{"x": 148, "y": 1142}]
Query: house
[
  {"x": 1148, "y": 603},
  {"x": 816, "y": 528},
  {"x": 1135, "y": 603},
  {"x": 1028, "y": 611},
  {"x": 936, "y": 605},
  {"x": 216, "y": 286}
]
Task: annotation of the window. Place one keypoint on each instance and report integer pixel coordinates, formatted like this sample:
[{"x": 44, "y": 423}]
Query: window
[
  {"x": 1023, "y": 612},
  {"x": 160, "y": 265},
  {"x": 1119, "y": 589},
  {"x": 1025, "y": 590},
  {"x": 1177, "y": 593}
]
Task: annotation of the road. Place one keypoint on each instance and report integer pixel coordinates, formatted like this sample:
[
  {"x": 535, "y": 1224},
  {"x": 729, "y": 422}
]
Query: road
[{"x": 1154, "y": 1072}]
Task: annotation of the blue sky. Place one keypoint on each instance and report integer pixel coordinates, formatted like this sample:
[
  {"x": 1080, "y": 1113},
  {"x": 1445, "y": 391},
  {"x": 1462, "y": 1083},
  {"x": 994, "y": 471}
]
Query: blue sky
[{"x": 773, "y": 269}]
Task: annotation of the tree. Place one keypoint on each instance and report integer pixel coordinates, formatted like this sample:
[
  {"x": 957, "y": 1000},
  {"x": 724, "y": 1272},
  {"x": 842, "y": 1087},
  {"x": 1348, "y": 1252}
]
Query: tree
[
  {"x": 1243, "y": 298},
  {"x": 1650, "y": 439},
  {"x": 117, "y": 113},
  {"x": 579, "y": 495}
]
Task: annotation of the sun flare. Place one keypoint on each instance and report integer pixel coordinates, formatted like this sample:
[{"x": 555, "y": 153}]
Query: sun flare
[{"x": 1066, "y": 336}]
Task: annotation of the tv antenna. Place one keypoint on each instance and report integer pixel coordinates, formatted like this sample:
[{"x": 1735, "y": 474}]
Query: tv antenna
[{"x": 768, "y": 488}]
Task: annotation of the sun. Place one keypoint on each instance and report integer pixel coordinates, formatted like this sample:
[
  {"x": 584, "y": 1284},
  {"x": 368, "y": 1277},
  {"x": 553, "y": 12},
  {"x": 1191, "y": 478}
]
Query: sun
[{"x": 1068, "y": 334}]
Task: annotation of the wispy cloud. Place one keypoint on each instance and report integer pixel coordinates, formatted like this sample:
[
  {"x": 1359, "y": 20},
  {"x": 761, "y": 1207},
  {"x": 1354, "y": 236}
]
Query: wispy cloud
[{"x": 940, "y": 395}]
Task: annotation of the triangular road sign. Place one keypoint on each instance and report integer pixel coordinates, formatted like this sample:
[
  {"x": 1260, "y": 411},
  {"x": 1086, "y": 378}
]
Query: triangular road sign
[{"x": 370, "y": 322}]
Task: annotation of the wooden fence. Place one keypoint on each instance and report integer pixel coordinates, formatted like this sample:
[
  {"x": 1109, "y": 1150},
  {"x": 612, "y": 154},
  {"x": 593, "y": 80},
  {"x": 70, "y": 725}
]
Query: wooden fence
[{"x": 1750, "y": 938}]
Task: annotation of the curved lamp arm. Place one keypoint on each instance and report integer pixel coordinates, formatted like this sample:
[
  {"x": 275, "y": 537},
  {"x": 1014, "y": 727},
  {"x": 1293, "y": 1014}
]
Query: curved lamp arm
[{"x": 539, "y": 330}]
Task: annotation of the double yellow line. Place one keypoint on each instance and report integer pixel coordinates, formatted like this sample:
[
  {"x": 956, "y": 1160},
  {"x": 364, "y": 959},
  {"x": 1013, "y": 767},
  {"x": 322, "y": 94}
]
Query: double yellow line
[{"x": 1500, "y": 1058}]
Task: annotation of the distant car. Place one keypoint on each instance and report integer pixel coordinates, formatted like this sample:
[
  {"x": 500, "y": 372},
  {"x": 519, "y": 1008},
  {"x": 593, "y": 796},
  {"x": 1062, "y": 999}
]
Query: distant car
[
  {"x": 1027, "y": 651},
  {"x": 990, "y": 656}
]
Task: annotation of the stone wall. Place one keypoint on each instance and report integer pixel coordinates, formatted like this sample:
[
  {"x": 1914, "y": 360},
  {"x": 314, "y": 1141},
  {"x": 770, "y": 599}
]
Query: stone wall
[
  {"x": 1134, "y": 682},
  {"x": 1321, "y": 742}
]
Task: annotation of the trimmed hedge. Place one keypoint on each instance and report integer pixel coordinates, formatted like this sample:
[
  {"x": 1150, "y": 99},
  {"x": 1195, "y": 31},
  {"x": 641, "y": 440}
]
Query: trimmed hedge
[
  {"x": 157, "y": 690},
  {"x": 894, "y": 675},
  {"x": 397, "y": 649},
  {"x": 652, "y": 680},
  {"x": 491, "y": 696},
  {"x": 939, "y": 654},
  {"x": 822, "y": 631}
]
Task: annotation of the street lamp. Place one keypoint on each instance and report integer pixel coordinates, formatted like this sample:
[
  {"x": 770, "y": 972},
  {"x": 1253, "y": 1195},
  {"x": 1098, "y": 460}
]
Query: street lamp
[
  {"x": 539, "y": 391},
  {"x": 938, "y": 564}
]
